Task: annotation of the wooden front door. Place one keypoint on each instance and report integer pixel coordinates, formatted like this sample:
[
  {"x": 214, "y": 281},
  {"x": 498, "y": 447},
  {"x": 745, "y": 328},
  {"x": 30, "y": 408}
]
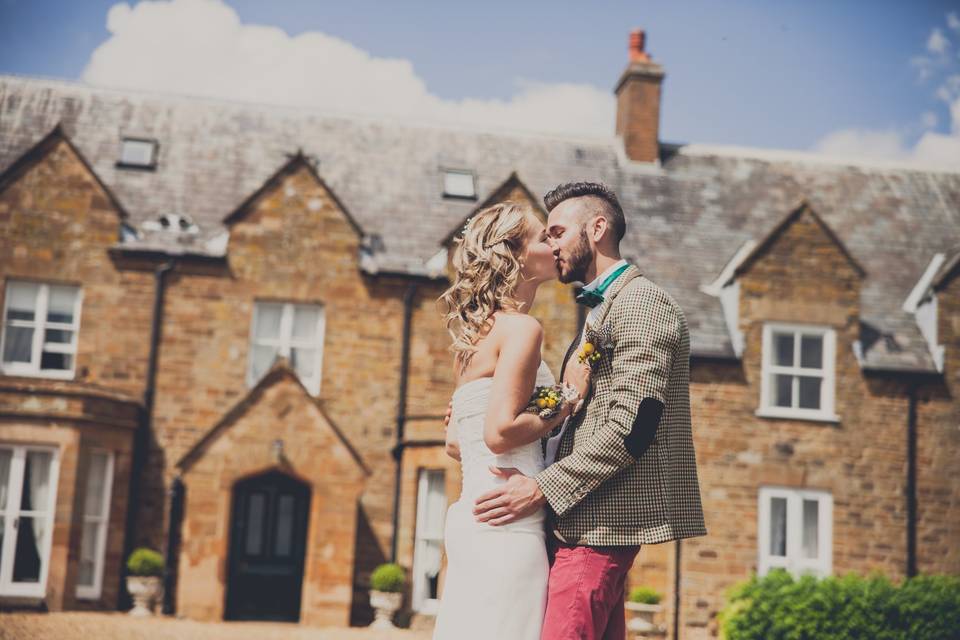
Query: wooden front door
[{"x": 268, "y": 534}]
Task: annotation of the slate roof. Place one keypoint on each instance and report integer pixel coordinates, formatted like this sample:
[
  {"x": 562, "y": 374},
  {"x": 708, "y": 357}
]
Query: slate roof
[
  {"x": 686, "y": 216},
  {"x": 947, "y": 272}
]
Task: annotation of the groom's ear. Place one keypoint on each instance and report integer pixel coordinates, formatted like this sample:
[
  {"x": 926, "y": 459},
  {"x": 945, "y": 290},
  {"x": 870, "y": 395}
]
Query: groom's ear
[{"x": 598, "y": 227}]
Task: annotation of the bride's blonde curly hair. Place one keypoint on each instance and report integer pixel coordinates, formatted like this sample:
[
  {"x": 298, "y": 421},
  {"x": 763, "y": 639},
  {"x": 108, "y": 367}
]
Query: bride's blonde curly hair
[{"x": 487, "y": 268}]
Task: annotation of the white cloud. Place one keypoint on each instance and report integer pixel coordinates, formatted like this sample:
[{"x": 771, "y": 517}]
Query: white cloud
[
  {"x": 953, "y": 21},
  {"x": 923, "y": 65},
  {"x": 932, "y": 148},
  {"x": 937, "y": 42},
  {"x": 886, "y": 144},
  {"x": 950, "y": 88},
  {"x": 200, "y": 47}
]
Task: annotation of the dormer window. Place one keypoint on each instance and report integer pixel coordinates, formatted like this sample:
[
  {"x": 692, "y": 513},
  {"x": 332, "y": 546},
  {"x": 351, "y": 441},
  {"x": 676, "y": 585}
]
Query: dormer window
[
  {"x": 797, "y": 372},
  {"x": 458, "y": 183},
  {"x": 138, "y": 153}
]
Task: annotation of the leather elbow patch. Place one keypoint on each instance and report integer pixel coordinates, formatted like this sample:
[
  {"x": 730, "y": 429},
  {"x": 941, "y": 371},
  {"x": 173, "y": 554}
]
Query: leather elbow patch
[{"x": 644, "y": 428}]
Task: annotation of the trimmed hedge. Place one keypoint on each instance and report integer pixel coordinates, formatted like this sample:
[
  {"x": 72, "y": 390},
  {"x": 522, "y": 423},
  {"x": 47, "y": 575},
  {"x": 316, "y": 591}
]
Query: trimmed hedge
[
  {"x": 644, "y": 595},
  {"x": 388, "y": 577},
  {"x": 780, "y": 607},
  {"x": 145, "y": 562}
]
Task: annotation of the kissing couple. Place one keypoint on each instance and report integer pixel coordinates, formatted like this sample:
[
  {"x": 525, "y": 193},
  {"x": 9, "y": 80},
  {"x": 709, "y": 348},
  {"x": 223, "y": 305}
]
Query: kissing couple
[{"x": 562, "y": 483}]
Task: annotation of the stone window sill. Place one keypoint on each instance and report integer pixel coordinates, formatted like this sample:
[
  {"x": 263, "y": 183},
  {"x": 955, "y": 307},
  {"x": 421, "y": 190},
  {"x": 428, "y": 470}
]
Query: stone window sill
[{"x": 787, "y": 414}]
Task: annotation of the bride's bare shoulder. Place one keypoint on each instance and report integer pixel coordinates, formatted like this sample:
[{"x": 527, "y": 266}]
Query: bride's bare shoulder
[
  {"x": 511, "y": 322},
  {"x": 502, "y": 328}
]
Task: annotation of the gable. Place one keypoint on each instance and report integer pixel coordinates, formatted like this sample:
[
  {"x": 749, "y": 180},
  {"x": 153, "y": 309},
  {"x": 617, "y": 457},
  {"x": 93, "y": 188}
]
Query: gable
[
  {"x": 801, "y": 236},
  {"x": 265, "y": 411},
  {"x": 510, "y": 189},
  {"x": 55, "y": 159},
  {"x": 298, "y": 171}
]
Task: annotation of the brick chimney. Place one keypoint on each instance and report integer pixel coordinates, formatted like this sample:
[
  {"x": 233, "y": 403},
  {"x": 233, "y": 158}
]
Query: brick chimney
[{"x": 638, "y": 102}]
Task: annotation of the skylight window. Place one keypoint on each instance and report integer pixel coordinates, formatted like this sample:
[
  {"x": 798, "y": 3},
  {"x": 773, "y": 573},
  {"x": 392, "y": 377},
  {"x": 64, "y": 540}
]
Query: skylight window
[
  {"x": 459, "y": 184},
  {"x": 138, "y": 153}
]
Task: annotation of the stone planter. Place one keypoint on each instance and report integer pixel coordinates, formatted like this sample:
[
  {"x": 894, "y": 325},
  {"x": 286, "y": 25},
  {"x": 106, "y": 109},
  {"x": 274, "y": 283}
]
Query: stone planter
[
  {"x": 384, "y": 605},
  {"x": 640, "y": 620},
  {"x": 145, "y": 591}
]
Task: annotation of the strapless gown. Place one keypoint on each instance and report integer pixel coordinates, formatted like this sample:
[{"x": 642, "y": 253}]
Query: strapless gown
[{"x": 496, "y": 583}]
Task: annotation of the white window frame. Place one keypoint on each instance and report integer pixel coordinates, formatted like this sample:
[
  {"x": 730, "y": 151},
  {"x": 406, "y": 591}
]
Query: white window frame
[
  {"x": 15, "y": 490},
  {"x": 92, "y": 592},
  {"x": 794, "y": 562},
  {"x": 285, "y": 342},
  {"x": 423, "y": 535},
  {"x": 453, "y": 193},
  {"x": 769, "y": 370},
  {"x": 40, "y": 326}
]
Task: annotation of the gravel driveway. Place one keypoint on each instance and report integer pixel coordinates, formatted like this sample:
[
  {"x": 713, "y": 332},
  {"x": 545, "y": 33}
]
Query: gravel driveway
[{"x": 74, "y": 625}]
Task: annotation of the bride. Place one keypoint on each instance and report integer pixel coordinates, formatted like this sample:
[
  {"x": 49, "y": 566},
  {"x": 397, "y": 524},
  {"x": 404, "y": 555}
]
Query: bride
[{"x": 496, "y": 584}]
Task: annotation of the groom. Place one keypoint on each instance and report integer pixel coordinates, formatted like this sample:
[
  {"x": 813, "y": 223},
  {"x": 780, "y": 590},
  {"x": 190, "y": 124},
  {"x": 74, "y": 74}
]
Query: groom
[{"x": 625, "y": 471}]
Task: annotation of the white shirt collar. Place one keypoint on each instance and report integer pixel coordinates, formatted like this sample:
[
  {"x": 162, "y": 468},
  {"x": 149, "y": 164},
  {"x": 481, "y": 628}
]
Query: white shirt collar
[{"x": 596, "y": 281}]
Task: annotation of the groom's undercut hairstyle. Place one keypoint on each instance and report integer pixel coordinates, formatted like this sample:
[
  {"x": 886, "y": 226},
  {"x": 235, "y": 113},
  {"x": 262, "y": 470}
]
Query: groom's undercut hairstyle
[{"x": 604, "y": 199}]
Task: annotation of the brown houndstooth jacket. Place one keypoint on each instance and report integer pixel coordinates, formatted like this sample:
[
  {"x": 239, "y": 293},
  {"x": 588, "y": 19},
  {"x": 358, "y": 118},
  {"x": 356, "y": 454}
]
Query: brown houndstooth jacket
[{"x": 599, "y": 493}]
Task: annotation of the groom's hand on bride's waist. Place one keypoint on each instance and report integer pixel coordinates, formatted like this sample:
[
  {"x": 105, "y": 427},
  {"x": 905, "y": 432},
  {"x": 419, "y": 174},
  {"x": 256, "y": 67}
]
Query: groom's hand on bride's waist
[{"x": 518, "y": 497}]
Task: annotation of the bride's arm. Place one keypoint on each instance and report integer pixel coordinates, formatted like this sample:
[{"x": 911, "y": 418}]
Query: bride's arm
[{"x": 507, "y": 425}]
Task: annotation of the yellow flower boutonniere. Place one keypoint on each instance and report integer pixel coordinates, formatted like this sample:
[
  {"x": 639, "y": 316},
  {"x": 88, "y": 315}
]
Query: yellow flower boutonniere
[
  {"x": 588, "y": 353},
  {"x": 597, "y": 343}
]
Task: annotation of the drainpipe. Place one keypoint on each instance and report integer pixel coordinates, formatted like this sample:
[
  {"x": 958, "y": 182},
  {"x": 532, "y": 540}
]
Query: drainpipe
[
  {"x": 911, "y": 489},
  {"x": 175, "y": 520},
  {"x": 676, "y": 590},
  {"x": 141, "y": 437},
  {"x": 397, "y": 451}
]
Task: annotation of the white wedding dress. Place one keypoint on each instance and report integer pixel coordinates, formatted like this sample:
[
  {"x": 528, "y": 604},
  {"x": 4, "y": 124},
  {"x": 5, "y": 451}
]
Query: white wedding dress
[{"x": 496, "y": 584}]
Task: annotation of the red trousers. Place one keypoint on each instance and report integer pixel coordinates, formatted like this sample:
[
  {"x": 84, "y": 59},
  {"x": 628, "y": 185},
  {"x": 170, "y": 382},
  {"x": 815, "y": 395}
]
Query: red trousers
[{"x": 586, "y": 592}]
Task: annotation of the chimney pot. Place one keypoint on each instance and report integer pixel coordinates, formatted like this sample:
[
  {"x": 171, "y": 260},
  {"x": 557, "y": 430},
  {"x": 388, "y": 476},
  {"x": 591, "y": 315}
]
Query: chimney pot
[{"x": 638, "y": 40}]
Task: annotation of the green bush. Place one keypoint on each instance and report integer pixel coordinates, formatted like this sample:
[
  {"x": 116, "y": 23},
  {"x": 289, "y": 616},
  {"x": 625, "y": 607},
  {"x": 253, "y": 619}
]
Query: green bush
[
  {"x": 388, "y": 577},
  {"x": 779, "y": 607},
  {"x": 644, "y": 595},
  {"x": 145, "y": 562}
]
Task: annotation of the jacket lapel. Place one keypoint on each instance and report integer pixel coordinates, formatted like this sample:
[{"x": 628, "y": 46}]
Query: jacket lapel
[
  {"x": 615, "y": 288},
  {"x": 611, "y": 293}
]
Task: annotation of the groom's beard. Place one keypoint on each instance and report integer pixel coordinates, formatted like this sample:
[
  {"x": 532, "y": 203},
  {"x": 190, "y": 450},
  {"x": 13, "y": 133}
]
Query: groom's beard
[{"x": 578, "y": 261}]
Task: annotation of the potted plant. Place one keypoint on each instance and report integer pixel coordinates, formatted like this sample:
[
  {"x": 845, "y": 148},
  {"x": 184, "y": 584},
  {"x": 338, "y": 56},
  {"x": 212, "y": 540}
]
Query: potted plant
[
  {"x": 386, "y": 594},
  {"x": 644, "y": 603},
  {"x": 145, "y": 568}
]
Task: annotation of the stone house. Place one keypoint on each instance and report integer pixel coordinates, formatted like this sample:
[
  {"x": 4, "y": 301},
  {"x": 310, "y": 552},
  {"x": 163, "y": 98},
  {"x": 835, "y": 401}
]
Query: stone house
[{"x": 220, "y": 339}]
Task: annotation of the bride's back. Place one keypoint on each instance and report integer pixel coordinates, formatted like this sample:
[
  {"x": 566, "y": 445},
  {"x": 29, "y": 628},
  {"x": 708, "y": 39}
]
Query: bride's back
[{"x": 470, "y": 402}]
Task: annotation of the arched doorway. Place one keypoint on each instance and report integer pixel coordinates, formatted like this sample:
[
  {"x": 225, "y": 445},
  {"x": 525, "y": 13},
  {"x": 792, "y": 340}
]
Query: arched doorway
[{"x": 268, "y": 533}]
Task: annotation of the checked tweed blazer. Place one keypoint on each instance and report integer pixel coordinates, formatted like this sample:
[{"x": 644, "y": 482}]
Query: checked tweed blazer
[{"x": 599, "y": 493}]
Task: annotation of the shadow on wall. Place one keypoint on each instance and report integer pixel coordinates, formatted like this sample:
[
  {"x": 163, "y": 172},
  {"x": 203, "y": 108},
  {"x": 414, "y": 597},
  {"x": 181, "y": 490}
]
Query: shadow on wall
[
  {"x": 149, "y": 501},
  {"x": 369, "y": 554}
]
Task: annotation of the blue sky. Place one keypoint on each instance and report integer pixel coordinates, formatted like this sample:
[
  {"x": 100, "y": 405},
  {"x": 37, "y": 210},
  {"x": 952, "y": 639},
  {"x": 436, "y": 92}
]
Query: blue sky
[{"x": 781, "y": 75}]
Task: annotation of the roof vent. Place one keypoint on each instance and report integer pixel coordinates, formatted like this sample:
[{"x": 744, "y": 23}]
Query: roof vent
[{"x": 172, "y": 223}]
